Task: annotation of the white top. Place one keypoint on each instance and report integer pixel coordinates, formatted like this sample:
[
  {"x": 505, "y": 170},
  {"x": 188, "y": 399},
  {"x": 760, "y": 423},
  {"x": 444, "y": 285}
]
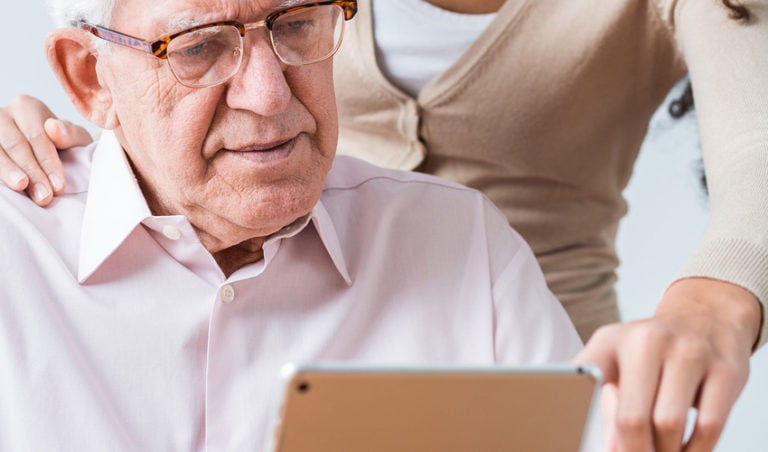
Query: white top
[
  {"x": 416, "y": 41},
  {"x": 118, "y": 331}
]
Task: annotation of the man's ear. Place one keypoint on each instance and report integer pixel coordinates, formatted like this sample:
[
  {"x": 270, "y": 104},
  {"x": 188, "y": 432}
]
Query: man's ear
[{"x": 73, "y": 57}]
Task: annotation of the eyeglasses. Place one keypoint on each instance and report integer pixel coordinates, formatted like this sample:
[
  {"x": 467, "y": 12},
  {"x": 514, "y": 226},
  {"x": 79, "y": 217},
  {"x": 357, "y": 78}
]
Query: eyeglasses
[{"x": 211, "y": 54}]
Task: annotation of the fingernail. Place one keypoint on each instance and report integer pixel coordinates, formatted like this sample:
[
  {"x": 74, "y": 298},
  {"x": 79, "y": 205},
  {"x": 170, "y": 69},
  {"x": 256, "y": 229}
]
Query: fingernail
[
  {"x": 16, "y": 177},
  {"x": 40, "y": 192},
  {"x": 61, "y": 129},
  {"x": 56, "y": 124},
  {"x": 55, "y": 182}
]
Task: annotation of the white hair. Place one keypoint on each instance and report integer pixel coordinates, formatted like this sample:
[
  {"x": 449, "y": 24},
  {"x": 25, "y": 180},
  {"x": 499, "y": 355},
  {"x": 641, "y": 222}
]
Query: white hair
[{"x": 97, "y": 12}]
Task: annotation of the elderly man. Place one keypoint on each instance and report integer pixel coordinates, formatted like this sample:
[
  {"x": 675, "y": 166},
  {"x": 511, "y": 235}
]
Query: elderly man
[{"x": 210, "y": 237}]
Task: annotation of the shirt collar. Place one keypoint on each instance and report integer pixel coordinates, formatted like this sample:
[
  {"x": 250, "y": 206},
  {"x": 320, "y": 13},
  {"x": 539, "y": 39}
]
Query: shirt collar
[
  {"x": 115, "y": 206},
  {"x": 327, "y": 232}
]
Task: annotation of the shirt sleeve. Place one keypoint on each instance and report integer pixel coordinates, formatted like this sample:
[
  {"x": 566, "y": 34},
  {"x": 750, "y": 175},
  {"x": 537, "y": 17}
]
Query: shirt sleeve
[{"x": 727, "y": 62}]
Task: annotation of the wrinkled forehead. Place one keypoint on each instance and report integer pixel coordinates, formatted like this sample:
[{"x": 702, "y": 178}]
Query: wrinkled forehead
[{"x": 156, "y": 17}]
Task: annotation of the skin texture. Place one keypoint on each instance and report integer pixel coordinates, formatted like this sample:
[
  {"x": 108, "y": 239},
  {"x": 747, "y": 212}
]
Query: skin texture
[
  {"x": 240, "y": 160},
  {"x": 694, "y": 351}
]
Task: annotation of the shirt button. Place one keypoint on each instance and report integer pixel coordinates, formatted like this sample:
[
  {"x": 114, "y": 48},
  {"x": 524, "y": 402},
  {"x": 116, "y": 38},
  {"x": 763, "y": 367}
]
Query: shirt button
[
  {"x": 172, "y": 232},
  {"x": 227, "y": 294}
]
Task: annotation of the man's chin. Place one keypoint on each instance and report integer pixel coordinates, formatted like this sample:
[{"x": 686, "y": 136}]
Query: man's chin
[{"x": 265, "y": 220}]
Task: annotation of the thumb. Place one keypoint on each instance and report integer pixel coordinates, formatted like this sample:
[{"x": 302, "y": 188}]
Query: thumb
[{"x": 65, "y": 135}]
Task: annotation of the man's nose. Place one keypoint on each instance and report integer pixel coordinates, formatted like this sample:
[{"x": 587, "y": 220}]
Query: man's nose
[{"x": 260, "y": 84}]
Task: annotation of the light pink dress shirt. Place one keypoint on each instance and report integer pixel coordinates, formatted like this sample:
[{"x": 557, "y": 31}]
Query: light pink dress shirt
[{"x": 118, "y": 331}]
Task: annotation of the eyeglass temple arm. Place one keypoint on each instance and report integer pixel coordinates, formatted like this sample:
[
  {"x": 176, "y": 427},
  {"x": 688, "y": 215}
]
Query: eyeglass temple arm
[{"x": 118, "y": 38}]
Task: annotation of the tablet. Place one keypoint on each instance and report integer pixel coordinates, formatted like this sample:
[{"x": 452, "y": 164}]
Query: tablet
[{"x": 341, "y": 407}]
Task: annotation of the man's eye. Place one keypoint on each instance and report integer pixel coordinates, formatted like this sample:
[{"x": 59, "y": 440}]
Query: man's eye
[
  {"x": 297, "y": 24},
  {"x": 194, "y": 51},
  {"x": 294, "y": 26},
  {"x": 210, "y": 47}
]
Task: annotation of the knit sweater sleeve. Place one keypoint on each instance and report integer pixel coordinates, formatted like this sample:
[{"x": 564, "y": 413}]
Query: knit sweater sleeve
[{"x": 728, "y": 65}]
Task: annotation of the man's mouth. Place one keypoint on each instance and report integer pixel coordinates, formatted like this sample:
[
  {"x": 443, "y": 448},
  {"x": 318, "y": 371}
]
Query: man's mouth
[{"x": 267, "y": 152}]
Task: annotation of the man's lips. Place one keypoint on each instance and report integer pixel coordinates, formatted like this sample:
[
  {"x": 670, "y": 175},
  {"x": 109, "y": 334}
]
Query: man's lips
[{"x": 265, "y": 153}]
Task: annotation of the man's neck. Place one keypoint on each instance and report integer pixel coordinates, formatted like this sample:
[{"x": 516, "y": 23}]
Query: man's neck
[{"x": 240, "y": 255}]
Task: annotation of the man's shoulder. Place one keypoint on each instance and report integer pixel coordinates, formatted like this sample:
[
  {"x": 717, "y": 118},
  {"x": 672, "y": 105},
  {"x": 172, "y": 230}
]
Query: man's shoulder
[
  {"x": 350, "y": 173},
  {"x": 20, "y": 214},
  {"x": 408, "y": 212},
  {"x": 76, "y": 163},
  {"x": 77, "y": 167},
  {"x": 407, "y": 203}
]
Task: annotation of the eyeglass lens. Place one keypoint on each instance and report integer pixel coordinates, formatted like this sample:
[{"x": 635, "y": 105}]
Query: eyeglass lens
[{"x": 213, "y": 54}]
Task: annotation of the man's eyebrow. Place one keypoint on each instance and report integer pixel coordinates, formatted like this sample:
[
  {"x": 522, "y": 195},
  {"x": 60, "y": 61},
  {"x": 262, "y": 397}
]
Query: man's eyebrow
[
  {"x": 182, "y": 23},
  {"x": 289, "y": 3}
]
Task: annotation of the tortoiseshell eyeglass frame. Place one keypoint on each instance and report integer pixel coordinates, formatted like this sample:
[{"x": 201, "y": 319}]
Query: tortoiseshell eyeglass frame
[{"x": 159, "y": 47}]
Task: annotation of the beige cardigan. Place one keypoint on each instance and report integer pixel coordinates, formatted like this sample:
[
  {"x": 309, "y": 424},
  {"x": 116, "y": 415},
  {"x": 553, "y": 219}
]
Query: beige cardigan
[{"x": 546, "y": 111}]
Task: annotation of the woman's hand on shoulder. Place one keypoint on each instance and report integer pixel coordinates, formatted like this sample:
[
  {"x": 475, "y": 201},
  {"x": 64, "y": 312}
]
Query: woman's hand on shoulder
[{"x": 30, "y": 135}]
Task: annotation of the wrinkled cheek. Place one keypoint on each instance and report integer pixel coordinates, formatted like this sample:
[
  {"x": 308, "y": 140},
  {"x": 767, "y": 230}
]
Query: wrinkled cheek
[
  {"x": 327, "y": 134},
  {"x": 329, "y": 130},
  {"x": 313, "y": 86}
]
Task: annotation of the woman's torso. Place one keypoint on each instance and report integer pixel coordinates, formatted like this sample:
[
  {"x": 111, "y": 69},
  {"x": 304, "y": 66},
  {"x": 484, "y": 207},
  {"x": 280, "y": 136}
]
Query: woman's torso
[{"x": 544, "y": 112}]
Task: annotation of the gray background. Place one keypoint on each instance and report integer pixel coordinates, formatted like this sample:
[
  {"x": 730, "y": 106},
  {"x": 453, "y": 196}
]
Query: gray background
[{"x": 667, "y": 206}]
